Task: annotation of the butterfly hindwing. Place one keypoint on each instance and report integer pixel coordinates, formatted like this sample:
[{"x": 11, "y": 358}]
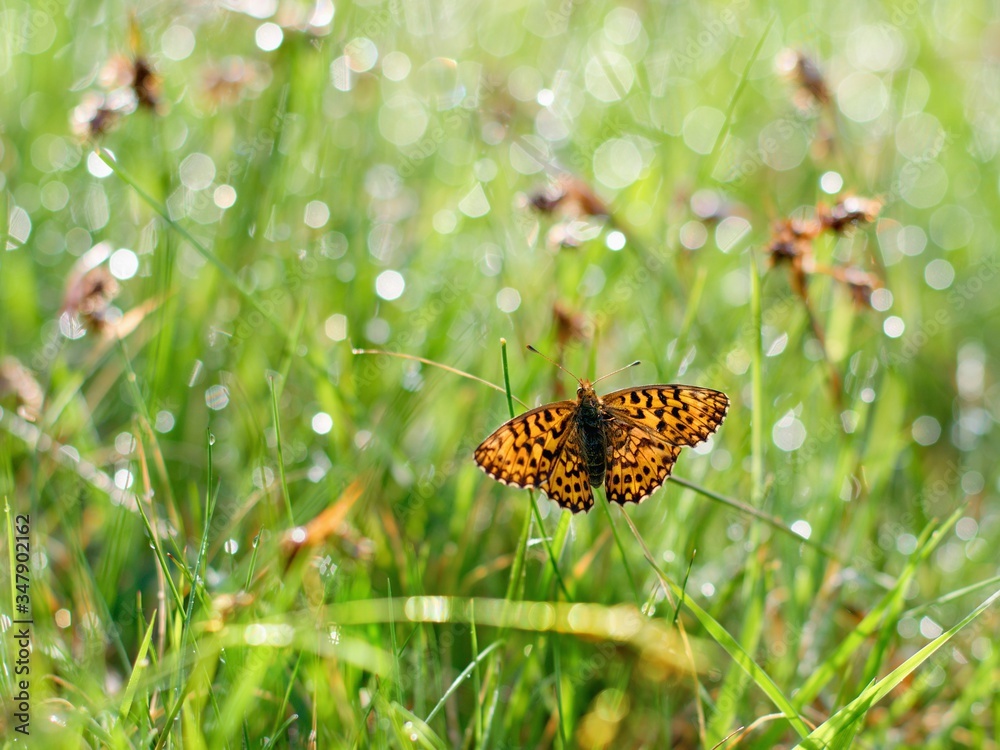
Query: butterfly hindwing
[
  {"x": 638, "y": 462},
  {"x": 522, "y": 451},
  {"x": 569, "y": 482},
  {"x": 680, "y": 414}
]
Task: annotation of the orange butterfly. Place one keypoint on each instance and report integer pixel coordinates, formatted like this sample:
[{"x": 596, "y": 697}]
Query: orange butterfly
[{"x": 627, "y": 440}]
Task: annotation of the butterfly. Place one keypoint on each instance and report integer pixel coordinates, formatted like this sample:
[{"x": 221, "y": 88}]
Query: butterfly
[{"x": 627, "y": 440}]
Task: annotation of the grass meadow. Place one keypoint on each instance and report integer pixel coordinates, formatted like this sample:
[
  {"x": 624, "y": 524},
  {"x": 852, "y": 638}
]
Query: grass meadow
[{"x": 268, "y": 275}]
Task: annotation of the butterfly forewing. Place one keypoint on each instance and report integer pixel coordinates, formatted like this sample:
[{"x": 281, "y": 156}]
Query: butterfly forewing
[
  {"x": 681, "y": 414},
  {"x": 522, "y": 451},
  {"x": 638, "y": 461}
]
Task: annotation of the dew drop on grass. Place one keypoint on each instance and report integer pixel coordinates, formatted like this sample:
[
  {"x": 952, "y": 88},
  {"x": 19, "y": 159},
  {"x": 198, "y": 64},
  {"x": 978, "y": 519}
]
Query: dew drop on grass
[
  {"x": 123, "y": 479},
  {"x": 70, "y": 327},
  {"x": 211, "y": 439},
  {"x": 966, "y": 528},
  {"x": 693, "y": 235},
  {"x": 813, "y": 350},
  {"x": 831, "y": 183},
  {"x": 195, "y": 373},
  {"x": 322, "y": 423},
  {"x": 906, "y": 544},
  {"x": 217, "y": 397},
  {"x": 269, "y": 36},
  {"x": 164, "y": 421},
  {"x": 124, "y": 264},
  {"x": 508, "y": 299},
  {"x": 982, "y": 648},
  {"x": 390, "y": 285},
  {"x": 789, "y": 433},
  {"x": 197, "y": 171},
  {"x": 396, "y": 66},
  {"x": 939, "y": 274},
  {"x": 262, "y": 477},
  {"x": 907, "y": 627},
  {"x": 444, "y": 221},
  {"x": 224, "y": 196},
  {"x": 778, "y": 345},
  {"x": 929, "y": 628},
  {"x": 125, "y": 443},
  {"x": 894, "y": 326},
  {"x": 926, "y": 430},
  {"x": 96, "y": 165},
  {"x": 412, "y": 379},
  {"x": 881, "y": 300}
]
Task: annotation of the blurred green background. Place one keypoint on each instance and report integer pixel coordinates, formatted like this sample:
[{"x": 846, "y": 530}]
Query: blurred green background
[{"x": 181, "y": 292}]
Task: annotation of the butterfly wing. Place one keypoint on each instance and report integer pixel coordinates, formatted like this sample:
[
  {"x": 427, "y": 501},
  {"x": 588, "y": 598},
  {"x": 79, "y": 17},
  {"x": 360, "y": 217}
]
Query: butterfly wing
[
  {"x": 646, "y": 430},
  {"x": 540, "y": 450},
  {"x": 638, "y": 461},
  {"x": 569, "y": 482},
  {"x": 522, "y": 451},
  {"x": 680, "y": 414}
]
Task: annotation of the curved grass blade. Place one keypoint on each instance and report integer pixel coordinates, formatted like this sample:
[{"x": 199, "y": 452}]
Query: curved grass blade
[
  {"x": 831, "y": 733},
  {"x": 730, "y": 644},
  {"x": 871, "y": 623},
  {"x": 133, "y": 680},
  {"x": 461, "y": 678}
]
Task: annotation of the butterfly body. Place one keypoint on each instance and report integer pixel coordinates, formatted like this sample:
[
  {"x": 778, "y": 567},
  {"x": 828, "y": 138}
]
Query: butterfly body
[
  {"x": 627, "y": 440},
  {"x": 590, "y": 425}
]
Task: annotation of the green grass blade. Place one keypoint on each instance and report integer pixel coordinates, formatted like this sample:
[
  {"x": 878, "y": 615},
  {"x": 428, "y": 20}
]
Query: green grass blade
[
  {"x": 477, "y": 680},
  {"x": 830, "y": 731},
  {"x": 506, "y": 377},
  {"x": 461, "y": 678},
  {"x": 874, "y": 620},
  {"x": 760, "y": 515},
  {"x": 746, "y": 662},
  {"x": 137, "y": 669},
  {"x": 752, "y": 623},
  {"x": 518, "y": 566},
  {"x": 227, "y": 273},
  {"x": 606, "y": 507},
  {"x": 728, "y": 643},
  {"x": 415, "y": 731},
  {"x": 280, "y": 451},
  {"x": 727, "y": 123},
  {"x": 10, "y": 554}
]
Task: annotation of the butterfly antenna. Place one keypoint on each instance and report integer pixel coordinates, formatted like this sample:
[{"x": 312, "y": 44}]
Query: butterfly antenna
[
  {"x": 620, "y": 369},
  {"x": 533, "y": 349}
]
